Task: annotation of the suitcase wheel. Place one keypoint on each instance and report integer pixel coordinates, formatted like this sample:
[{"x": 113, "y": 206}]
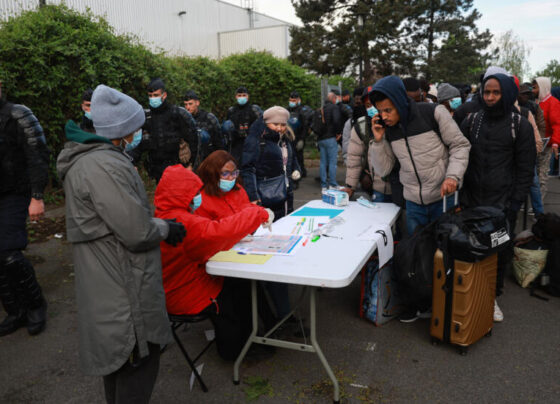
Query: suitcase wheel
[
  {"x": 463, "y": 350},
  {"x": 489, "y": 333},
  {"x": 435, "y": 341}
]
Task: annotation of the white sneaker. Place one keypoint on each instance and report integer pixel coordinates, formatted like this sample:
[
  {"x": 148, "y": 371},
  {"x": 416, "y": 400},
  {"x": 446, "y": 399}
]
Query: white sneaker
[
  {"x": 323, "y": 190},
  {"x": 498, "y": 315}
]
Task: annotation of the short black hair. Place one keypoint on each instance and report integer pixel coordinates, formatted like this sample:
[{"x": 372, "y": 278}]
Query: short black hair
[
  {"x": 358, "y": 92},
  {"x": 86, "y": 95},
  {"x": 294, "y": 94},
  {"x": 335, "y": 92},
  {"x": 424, "y": 85},
  {"x": 190, "y": 95},
  {"x": 411, "y": 84},
  {"x": 345, "y": 92},
  {"x": 376, "y": 96},
  {"x": 241, "y": 90},
  {"x": 156, "y": 84}
]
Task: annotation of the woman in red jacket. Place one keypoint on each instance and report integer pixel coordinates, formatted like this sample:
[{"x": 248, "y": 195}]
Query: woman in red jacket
[
  {"x": 224, "y": 196},
  {"x": 188, "y": 288},
  {"x": 222, "y": 192}
]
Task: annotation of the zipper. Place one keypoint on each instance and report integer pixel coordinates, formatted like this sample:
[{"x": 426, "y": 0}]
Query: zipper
[{"x": 413, "y": 165}]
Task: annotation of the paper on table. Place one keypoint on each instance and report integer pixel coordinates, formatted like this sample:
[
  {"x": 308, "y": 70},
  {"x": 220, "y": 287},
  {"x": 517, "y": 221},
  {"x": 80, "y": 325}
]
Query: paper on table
[
  {"x": 383, "y": 237},
  {"x": 271, "y": 244},
  {"x": 307, "y": 211},
  {"x": 234, "y": 256},
  {"x": 289, "y": 225}
]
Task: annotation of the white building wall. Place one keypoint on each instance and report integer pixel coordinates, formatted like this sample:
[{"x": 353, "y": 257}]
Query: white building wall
[
  {"x": 274, "y": 39},
  {"x": 158, "y": 24}
]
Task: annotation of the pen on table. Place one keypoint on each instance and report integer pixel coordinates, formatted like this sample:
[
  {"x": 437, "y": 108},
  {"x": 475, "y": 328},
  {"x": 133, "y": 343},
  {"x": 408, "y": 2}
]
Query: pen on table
[
  {"x": 241, "y": 253},
  {"x": 305, "y": 242}
]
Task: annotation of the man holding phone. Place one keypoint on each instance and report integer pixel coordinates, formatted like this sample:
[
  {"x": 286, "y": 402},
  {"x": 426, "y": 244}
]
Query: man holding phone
[{"x": 432, "y": 152}]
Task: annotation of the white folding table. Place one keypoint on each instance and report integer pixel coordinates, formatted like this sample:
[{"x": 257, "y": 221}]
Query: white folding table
[{"x": 329, "y": 262}]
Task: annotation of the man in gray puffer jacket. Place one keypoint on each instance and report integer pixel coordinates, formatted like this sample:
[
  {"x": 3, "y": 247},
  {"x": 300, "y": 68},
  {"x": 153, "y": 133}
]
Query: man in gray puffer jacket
[
  {"x": 432, "y": 152},
  {"x": 122, "y": 318}
]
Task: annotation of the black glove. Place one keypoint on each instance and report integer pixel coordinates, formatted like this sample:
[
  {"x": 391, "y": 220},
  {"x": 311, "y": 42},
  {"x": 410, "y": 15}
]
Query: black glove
[{"x": 176, "y": 233}]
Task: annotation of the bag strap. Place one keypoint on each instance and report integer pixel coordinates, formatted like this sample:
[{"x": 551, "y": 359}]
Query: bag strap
[{"x": 322, "y": 115}]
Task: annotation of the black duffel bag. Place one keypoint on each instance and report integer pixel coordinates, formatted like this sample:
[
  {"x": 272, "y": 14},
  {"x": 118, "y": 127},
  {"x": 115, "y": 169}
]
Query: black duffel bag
[{"x": 473, "y": 234}]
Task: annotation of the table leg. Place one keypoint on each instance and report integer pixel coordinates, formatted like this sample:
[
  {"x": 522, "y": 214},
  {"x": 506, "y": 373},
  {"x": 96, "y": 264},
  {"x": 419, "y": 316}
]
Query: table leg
[
  {"x": 253, "y": 333},
  {"x": 312, "y": 310}
]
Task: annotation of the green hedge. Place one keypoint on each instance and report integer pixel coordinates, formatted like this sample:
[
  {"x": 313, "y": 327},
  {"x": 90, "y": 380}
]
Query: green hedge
[{"x": 49, "y": 56}]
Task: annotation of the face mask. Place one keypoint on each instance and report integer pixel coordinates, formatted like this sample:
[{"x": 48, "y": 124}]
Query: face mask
[
  {"x": 87, "y": 114},
  {"x": 371, "y": 111},
  {"x": 455, "y": 103},
  {"x": 155, "y": 102},
  {"x": 242, "y": 100},
  {"x": 292, "y": 104},
  {"x": 226, "y": 185},
  {"x": 196, "y": 202},
  {"x": 338, "y": 100},
  {"x": 136, "y": 139}
]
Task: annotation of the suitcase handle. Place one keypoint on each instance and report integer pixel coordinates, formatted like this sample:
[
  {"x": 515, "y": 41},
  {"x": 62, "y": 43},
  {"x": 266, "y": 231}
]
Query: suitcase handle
[{"x": 456, "y": 201}]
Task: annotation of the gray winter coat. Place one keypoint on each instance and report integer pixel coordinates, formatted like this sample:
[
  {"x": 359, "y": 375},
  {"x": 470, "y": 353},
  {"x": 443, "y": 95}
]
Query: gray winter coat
[{"x": 117, "y": 264}]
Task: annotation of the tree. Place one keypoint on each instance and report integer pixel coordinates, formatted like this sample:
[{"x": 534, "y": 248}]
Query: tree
[
  {"x": 552, "y": 70},
  {"x": 512, "y": 53},
  {"x": 332, "y": 42},
  {"x": 452, "y": 24}
]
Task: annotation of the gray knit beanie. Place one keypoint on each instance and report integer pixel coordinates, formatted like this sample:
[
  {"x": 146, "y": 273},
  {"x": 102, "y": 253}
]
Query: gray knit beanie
[
  {"x": 276, "y": 114},
  {"x": 114, "y": 114},
  {"x": 446, "y": 92}
]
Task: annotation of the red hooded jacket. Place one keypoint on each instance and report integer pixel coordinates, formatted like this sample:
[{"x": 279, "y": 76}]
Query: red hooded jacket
[
  {"x": 188, "y": 288},
  {"x": 551, "y": 109},
  {"x": 218, "y": 207}
]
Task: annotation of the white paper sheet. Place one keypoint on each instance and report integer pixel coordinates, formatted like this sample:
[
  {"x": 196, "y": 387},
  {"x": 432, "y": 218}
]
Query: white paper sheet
[
  {"x": 383, "y": 237},
  {"x": 290, "y": 225}
]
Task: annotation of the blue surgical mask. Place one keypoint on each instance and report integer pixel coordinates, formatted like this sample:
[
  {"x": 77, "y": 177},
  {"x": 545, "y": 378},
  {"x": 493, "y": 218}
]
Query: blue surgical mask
[
  {"x": 136, "y": 139},
  {"x": 155, "y": 102},
  {"x": 455, "y": 103},
  {"x": 242, "y": 100},
  {"x": 87, "y": 114},
  {"x": 371, "y": 111},
  {"x": 226, "y": 185},
  {"x": 196, "y": 202},
  {"x": 338, "y": 100},
  {"x": 292, "y": 104}
]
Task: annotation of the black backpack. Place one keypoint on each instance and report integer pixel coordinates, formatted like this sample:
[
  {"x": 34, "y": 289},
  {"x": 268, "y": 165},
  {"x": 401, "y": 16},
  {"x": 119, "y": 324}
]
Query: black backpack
[
  {"x": 318, "y": 124},
  {"x": 547, "y": 229}
]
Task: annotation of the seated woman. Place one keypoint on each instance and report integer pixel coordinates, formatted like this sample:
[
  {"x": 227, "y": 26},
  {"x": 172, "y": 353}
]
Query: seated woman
[
  {"x": 188, "y": 288},
  {"x": 267, "y": 154},
  {"x": 222, "y": 192}
]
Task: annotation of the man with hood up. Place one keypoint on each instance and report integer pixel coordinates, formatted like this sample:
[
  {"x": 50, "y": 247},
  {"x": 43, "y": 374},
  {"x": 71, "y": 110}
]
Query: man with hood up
[
  {"x": 427, "y": 144},
  {"x": 502, "y": 159},
  {"x": 122, "y": 320}
]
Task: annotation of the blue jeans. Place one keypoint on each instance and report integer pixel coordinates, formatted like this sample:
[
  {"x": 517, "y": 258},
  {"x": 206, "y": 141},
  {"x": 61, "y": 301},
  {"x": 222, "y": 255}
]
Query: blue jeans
[
  {"x": 553, "y": 166},
  {"x": 535, "y": 192},
  {"x": 417, "y": 214},
  {"x": 381, "y": 197},
  {"x": 329, "y": 155}
]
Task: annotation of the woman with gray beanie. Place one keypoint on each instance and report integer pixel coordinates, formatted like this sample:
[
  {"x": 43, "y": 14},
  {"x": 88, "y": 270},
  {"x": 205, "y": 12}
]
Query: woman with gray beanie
[{"x": 122, "y": 319}]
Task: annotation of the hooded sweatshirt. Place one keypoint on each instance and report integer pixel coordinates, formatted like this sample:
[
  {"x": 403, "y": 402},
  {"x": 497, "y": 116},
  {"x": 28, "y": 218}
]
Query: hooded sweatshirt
[
  {"x": 501, "y": 163},
  {"x": 551, "y": 110},
  {"x": 188, "y": 288},
  {"x": 426, "y": 141}
]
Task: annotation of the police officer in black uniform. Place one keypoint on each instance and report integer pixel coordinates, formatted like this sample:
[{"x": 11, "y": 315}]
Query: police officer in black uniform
[
  {"x": 300, "y": 120},
  {"x": 210, "y": 133},
  {"x": 87, "y": 123},
  {"x": 24, "y": 163},
  {"x": 242, "y": 115},
  {"x": 169, "y": 132}
]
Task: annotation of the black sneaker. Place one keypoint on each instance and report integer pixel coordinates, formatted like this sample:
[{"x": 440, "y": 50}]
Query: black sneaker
[{"x": 409, "y": 317}]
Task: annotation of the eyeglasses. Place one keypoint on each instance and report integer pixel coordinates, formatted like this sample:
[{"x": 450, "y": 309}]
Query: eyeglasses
[{"x": 225, "y": 174}]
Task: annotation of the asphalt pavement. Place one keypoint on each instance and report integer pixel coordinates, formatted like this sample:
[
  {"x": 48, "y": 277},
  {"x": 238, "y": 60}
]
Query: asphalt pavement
[{"x": 395, "y": 363}]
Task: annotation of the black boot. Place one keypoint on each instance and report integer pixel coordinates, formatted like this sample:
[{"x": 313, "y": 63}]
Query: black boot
[
  {"x": 16, "y": 314},
  {"x": 21, "y": 271}
]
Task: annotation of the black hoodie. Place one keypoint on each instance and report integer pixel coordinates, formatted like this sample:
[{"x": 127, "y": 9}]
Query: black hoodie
[{"x": 502, "y": 156}]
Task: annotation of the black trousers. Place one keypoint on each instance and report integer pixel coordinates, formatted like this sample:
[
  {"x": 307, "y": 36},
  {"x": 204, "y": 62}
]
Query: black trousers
[
  {"x": 134, "y": 382},
  {"x": 231, "y": 317}
]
